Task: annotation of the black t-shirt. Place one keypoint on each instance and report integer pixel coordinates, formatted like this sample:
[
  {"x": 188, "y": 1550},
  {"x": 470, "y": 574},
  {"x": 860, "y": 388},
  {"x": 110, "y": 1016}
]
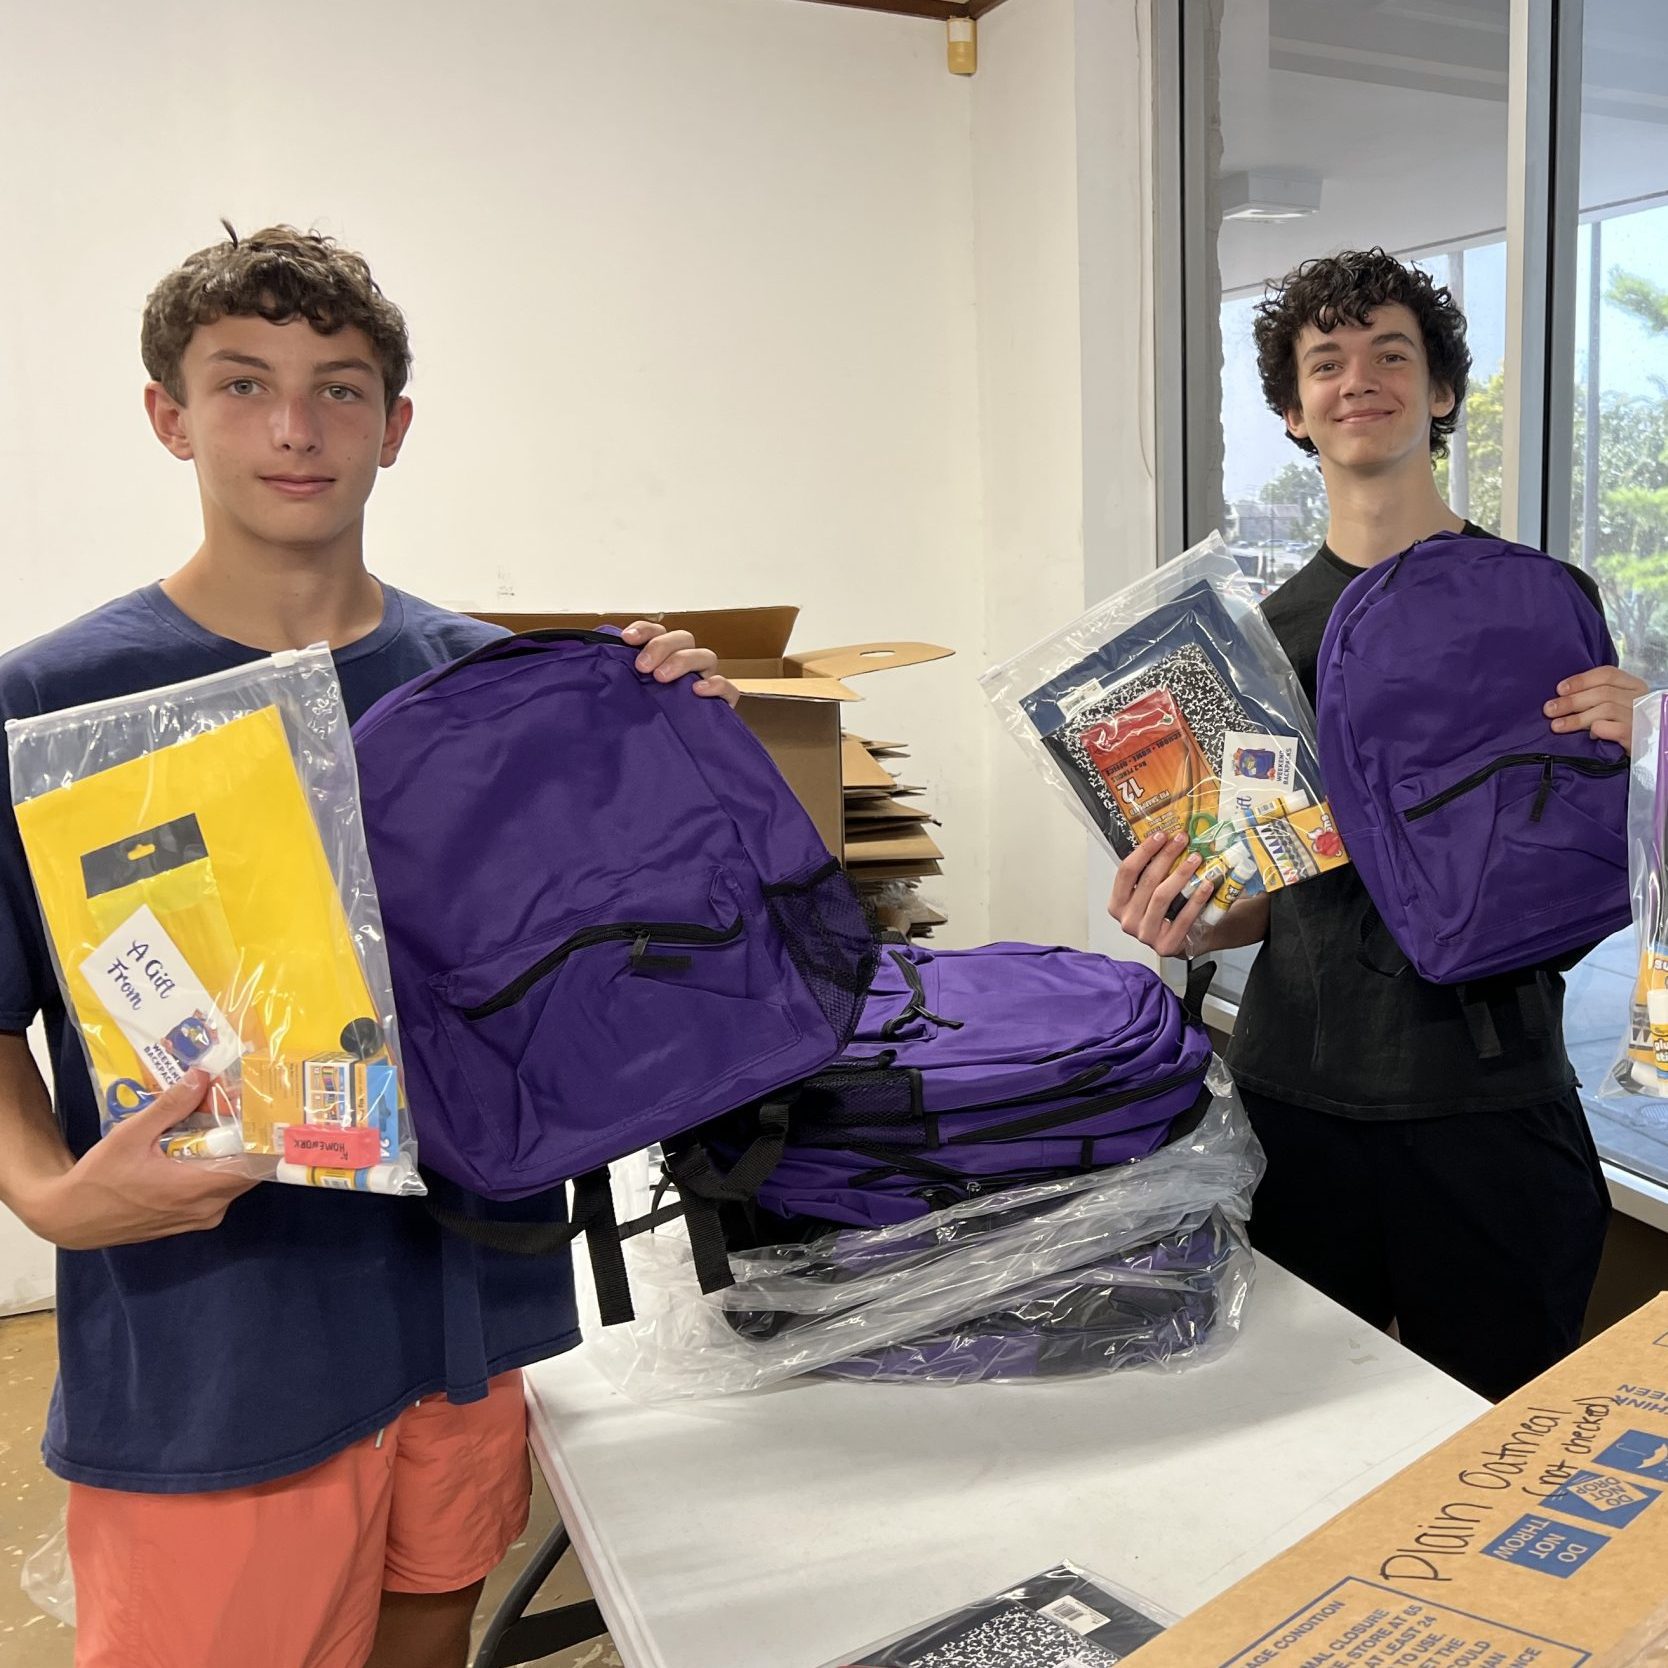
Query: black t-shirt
[{"x": 1332, "y": 1018}]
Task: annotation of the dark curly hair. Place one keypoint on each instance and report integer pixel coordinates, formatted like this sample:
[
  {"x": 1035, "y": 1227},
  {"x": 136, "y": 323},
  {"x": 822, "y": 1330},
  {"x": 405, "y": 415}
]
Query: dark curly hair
[
  {"x": 277, "y": 274},
  {"x": 1344, "y": 289}
]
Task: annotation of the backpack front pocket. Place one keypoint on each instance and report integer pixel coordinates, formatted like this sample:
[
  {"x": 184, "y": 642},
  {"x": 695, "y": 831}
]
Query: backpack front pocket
[
  {"x": 572, "y": 1039},
  {"x": 1542, "y": 832}
]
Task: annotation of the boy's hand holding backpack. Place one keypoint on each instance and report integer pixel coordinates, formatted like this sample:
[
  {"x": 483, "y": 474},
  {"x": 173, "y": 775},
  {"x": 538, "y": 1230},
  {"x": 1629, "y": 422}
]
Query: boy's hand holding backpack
[{"x": 1599, "y": 701}]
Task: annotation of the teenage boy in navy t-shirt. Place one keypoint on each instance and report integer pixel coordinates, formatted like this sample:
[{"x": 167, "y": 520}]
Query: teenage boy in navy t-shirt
[{"x": 291, "y": 1419}]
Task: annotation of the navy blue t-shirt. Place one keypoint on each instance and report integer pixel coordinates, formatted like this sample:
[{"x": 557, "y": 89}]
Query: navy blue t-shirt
[{"x": 308, "y": 1318}]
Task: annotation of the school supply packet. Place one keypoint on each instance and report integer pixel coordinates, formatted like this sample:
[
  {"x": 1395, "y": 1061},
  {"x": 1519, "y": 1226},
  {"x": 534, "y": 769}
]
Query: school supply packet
[
  {"x": 1170, "y": 708},
  {"x": 1641, "y": 1067},
  {"x": 209, "y": 903},
  {"x": 1064, "y": 1617}
]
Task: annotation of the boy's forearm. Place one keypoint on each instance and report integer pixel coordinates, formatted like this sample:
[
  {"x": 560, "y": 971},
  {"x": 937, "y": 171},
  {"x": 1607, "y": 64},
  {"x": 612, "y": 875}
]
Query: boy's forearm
[
  {"x": 32, "y": 1149},
  {"x": 1245, "y": 923}
]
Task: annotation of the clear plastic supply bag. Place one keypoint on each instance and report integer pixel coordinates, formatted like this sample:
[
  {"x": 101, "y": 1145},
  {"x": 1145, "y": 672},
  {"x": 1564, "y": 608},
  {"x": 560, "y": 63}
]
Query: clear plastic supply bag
[
  {"x": 1140, "y": 1264},
  {"x": 47, "y": 1580},
  {"x": 1641, "y": 1068},
  {"x": 1644, "y": 1646},
  {"x": 1064, "y": 1617},
  {"x": 201, "y": 868},
  {"x": 1170, "y": 708}
]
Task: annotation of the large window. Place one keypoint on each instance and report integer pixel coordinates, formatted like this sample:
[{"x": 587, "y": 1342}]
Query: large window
[
  {"x": 1346, "y": 126},
  {"x": 1442, "y": 130},
  {"x": 1616, "y": 386},
  {"x": 1337, "y": 126}
]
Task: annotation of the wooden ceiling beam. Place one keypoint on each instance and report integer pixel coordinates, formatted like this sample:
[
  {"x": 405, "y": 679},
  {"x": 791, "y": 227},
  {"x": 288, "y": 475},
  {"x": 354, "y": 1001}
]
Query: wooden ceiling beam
[{"x": 941, "y": 11}]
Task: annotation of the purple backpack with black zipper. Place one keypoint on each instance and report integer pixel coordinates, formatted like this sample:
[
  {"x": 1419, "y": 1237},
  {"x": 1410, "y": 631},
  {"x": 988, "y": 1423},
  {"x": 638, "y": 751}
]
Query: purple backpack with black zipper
[
  {"x": 977, "y": 1069},
  {"x": 1487, "y": 841},
  {"x": 608, "y": 920},
  {"x": 1112, "y": 1309}
]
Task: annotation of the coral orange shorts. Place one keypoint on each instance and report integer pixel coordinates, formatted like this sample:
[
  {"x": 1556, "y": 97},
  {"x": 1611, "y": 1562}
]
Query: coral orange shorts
[{"x": 291, "y": 1573}]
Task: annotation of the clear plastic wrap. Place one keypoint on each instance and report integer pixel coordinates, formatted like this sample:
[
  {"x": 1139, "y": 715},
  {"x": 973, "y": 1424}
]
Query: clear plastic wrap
[
  {"x": 1171, "y": 708},
  {"x": 1064, "y": 1617},
  {"x": 1641, "y": 1067},
  {"x": 1142, "y": 1264},
  {"x": 47, "y": 1579},
  {"x": 201, "y": 868},
  {"x": 1645, "y": 1646}
]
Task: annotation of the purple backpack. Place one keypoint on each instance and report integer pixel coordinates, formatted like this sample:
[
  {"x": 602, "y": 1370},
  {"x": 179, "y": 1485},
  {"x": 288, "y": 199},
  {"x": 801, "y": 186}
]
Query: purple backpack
[
  {"x": 1488, "y": 842},
  {"x": 973, "y": 1069},
  {"x": 1115, "y": 1309},
  {"x": 608, "y": 920}
]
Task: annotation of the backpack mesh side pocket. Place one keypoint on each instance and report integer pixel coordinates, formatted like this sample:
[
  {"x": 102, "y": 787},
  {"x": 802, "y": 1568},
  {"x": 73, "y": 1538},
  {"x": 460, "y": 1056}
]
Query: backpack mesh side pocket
[{"x": 830, "y": 940}]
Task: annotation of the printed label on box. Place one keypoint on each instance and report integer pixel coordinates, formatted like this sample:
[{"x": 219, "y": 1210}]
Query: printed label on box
[
  {"x": 1544, "y": 1544},
  {"x": 1639, "y": 1452},
  {"x": 1601, "y": 1499},
  {"x": 1359, "y": 1624},
  {"x": 158, "y": 1003}
]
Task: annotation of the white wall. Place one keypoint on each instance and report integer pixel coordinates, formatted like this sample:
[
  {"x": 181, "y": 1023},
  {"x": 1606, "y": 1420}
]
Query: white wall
[
  {"x": 1031, "y": 401},
  {"x": 689, "y": 283},
  {"x": 28, "y": 1271},
  {"x": 1062, "y": 208}
]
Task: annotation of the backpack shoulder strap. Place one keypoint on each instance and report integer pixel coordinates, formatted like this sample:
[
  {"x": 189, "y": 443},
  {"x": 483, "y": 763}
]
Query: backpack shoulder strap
[{"x": 1199, "y": 977}]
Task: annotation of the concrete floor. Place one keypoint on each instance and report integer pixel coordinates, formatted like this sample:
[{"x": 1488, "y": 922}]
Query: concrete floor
[{"x": 32, "y": 1501}]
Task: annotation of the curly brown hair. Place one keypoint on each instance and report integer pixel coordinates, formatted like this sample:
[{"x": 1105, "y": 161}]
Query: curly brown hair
[
  {"x": 277, "y": 274},
  {"x": 1344, "y": 289}
]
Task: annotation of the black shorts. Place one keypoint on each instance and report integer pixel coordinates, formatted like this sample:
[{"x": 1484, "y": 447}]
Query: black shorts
[{"x": 1478, "y": 1233}]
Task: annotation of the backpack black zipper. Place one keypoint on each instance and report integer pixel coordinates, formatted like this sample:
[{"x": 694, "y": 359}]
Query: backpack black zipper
[
  {"x": 1547, "y": 761},
  {"x": 917, "y": 1008},
  {"x": 642, "y": 933},
  {"x": 1072, "y": 1086},
  {"x": 832, "y": 1124},
  {"x": 1040, "y": 1121}
]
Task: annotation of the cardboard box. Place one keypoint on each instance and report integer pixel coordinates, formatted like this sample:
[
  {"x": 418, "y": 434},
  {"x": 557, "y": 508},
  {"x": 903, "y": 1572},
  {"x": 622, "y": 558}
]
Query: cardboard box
[
  {"x": 791, "y": 702},
  {"x": 1535, "y": 1538}
]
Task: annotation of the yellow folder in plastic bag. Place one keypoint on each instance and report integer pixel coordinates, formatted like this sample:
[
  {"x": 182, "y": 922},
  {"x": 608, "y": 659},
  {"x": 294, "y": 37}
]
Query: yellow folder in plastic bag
[{"x": 202, "y": 856}]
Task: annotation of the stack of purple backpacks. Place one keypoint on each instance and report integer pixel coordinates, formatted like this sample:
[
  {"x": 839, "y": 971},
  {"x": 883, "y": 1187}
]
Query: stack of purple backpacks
[{"x": 972, "y": 1072}]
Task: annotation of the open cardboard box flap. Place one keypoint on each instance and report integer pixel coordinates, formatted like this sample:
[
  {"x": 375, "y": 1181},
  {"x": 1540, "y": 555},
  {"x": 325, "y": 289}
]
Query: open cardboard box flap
[{"x": 752, "y": 648}]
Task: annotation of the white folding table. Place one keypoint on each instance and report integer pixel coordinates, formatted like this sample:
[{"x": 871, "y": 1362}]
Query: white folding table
[{"x": 778, "y": 1529}]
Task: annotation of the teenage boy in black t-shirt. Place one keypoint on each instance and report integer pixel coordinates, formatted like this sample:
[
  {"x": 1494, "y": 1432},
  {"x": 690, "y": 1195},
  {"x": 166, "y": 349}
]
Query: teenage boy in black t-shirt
[{"x": 1408, "y": 1177}]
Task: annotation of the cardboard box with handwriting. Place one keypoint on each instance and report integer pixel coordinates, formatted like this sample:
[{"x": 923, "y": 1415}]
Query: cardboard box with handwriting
[{"x": 1535, "y": 1538}]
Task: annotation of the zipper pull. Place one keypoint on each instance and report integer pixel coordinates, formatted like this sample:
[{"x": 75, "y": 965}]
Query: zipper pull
[
  {"x": 1545, "y": 790},
  {"x": 643, "y": 962},
  {"x": 938, "y": 1019}
]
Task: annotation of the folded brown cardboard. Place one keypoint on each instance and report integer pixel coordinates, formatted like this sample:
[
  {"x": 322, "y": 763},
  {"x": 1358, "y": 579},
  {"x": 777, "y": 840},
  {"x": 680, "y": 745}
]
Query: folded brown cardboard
[
  {"x": 791, "y": 702},
  {"x": 889, "y": 846},
  {"x": 860, "y": 812},
  {"x": 916, "y": 868},
  {"x": 861, "y": 771},
  {"x": 1535, "y": 1538}
]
